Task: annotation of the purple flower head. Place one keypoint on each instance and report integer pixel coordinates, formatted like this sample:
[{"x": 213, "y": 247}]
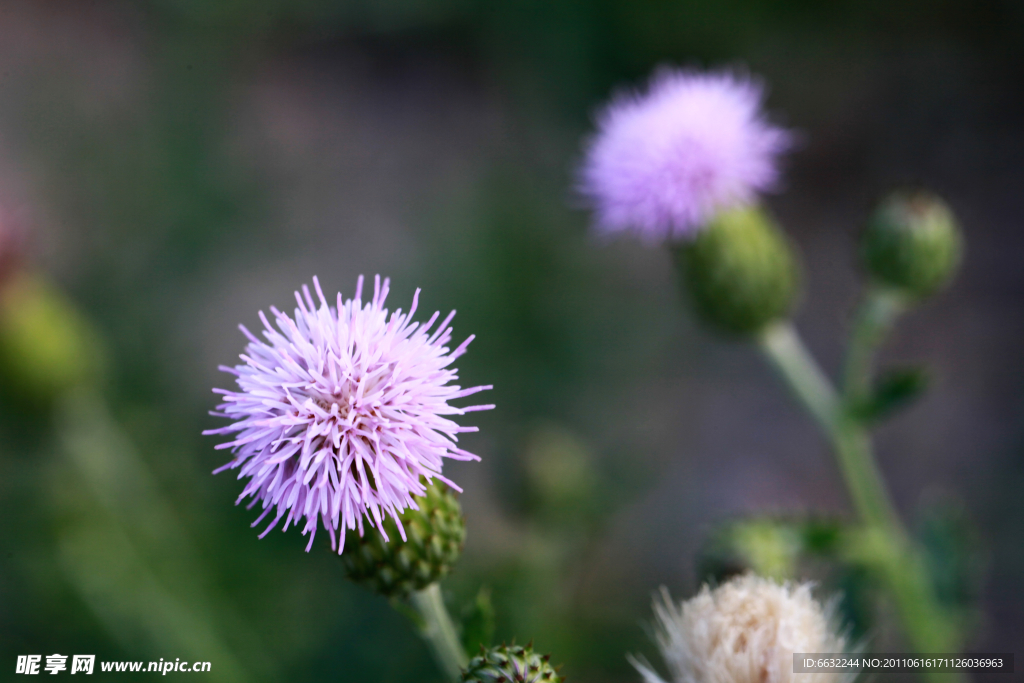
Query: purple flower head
[
  {"x": 664, "y": 162},
  {"x": 342, "y": 412}
]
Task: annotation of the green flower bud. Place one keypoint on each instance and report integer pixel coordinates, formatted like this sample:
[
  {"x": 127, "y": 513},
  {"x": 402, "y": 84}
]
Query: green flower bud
[
  {"x": 740, "y": 272},
  {"x": 912, "y": 243},
  {"x": 434, "y": 538},
  {"x": 510, "y": 664},
  {"x": 46, "y": 346}
]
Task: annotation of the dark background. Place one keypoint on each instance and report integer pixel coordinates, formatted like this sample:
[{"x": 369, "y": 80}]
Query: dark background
[{"x": 185, "y": 163}]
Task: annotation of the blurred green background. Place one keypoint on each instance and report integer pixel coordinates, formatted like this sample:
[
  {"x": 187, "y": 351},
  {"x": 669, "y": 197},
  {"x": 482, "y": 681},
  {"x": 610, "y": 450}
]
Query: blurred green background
[{"x": 181, "y": 164}]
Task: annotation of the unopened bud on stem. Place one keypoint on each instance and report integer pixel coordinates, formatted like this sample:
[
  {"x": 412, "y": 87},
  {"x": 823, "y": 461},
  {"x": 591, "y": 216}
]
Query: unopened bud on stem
[
  {"x": 740, "y": 272},
  {"x": 912, "y": 243}
]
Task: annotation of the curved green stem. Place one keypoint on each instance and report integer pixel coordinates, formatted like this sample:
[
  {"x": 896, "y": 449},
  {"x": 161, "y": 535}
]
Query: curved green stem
[
  {"x": 439, "y": 631},
  {"x": 786, "y": 351},
  {"x": 891, "y": 549},
  {"x": 864, "y": 480}
]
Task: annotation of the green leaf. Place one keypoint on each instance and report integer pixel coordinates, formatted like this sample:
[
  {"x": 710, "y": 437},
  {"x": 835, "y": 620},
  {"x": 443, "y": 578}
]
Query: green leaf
[
  {"x": 822, "y": 536},
  {"x": 478, "y": 623},
  {"x": 894, "y": 390}
]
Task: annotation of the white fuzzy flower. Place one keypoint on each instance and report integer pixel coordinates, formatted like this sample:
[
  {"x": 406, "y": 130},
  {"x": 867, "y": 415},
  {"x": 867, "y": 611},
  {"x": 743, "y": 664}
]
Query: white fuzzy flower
[{"x": 744, "y": 631}]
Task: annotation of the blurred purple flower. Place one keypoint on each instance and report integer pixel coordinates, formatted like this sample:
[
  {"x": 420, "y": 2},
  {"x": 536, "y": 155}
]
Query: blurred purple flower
[
  {"x": 664, "y": 162},
  {"x": 341, "y": 412}
]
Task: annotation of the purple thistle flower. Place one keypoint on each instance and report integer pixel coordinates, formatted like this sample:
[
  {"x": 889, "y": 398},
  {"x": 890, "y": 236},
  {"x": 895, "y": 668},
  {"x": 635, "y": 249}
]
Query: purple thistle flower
[
  {"x": 341, "y": 412},
  {"x": 664, "y": 162}
]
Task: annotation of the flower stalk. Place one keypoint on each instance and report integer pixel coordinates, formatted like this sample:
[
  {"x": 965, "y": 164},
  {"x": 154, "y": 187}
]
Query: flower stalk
[
  {"x": 786, "y": 351},
  {"x": 683, "y": 164},
  {"x": 891, "y": 549},
  {"x": 438, "y": 629}
]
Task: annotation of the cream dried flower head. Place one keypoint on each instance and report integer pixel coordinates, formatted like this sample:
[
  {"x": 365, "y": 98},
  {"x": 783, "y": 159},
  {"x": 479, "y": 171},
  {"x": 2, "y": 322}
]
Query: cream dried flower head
[{"x": 744, "y": 631}]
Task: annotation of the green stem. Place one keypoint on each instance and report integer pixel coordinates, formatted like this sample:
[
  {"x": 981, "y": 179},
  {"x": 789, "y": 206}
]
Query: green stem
[
  {"x": 124, "y": 547},
  {"x": 864, "y": 480},
  {"x": 439, "y": 631},
  {"x": 900, "y": 564},
  {"x": 786, "y": 351},
  {"x": 875, "y": 318}
]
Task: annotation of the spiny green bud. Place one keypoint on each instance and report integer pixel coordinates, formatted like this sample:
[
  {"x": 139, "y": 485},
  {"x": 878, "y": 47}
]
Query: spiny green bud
[
  {"x": 434, "y": 536},
  {"x": 912, "y": 243},
  {"x": 46, "y": 346},
  {"x": 740, "y": 272},
  {"x": 510, "y": 664}
]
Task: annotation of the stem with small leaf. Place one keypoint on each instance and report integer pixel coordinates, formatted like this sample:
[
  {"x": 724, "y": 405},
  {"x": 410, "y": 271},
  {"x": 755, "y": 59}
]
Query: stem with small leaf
[
  {"x": 891, "y": 551},
  {"x": 784, "y": 348},
  {"x": 878, "y": 312}
]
